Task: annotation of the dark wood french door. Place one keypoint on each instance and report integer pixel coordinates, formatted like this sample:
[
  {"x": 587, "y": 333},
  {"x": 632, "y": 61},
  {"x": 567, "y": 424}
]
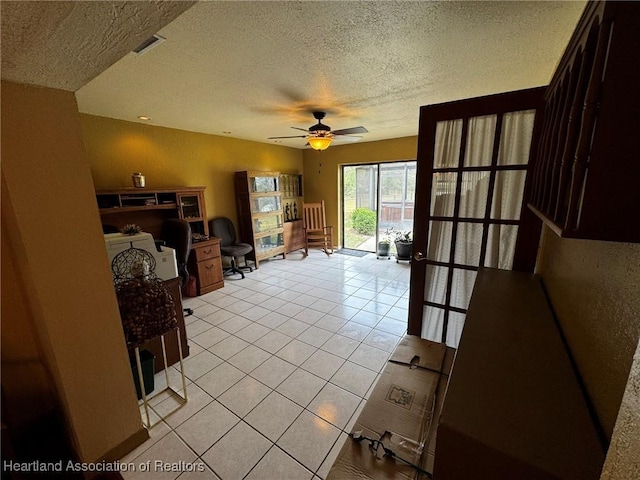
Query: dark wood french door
[{"x": 471, "y": 190}]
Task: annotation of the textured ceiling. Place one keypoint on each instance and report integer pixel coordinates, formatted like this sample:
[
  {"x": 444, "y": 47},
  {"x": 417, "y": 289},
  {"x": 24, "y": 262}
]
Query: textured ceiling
[
  {"x": 64, "y": 44},
  {"x": 255, "y": 69}
]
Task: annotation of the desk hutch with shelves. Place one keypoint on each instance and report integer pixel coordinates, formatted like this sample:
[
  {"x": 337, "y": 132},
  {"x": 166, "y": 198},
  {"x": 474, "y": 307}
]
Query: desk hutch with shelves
[{"x": 149, "y": 207}]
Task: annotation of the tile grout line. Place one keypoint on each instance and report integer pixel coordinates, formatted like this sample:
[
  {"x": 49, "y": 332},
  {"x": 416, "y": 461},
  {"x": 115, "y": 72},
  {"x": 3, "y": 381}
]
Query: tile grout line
[{"x": 333, "y": 286}]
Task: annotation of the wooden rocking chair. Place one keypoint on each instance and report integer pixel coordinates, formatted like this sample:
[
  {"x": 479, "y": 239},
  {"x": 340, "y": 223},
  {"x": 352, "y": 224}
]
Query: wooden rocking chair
[{"x": 317, "y": 232}]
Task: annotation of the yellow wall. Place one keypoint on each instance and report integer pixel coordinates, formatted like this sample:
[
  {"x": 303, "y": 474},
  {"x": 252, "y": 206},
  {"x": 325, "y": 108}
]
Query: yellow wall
[
  {"x": 26, "y": 380},
  {"x": 65, "y": 301},
  {"x": 170, "y": 157},
  {"x": 322, "y": 169},
  {"x": 593, "y": 287}
]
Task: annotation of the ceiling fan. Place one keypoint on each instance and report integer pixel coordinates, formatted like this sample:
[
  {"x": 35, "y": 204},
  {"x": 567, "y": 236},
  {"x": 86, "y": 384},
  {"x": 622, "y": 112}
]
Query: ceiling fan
[{"x": 320, "y": 135}]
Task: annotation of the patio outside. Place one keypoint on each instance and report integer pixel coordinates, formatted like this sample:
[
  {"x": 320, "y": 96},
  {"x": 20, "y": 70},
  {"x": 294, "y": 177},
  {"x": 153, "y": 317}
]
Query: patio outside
[{"x": 377, "y": 198}]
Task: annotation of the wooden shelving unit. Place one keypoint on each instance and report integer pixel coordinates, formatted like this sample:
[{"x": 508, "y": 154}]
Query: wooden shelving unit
[
  {"x": 260, "y": 214},
  {"x": 585, "y": 181}
]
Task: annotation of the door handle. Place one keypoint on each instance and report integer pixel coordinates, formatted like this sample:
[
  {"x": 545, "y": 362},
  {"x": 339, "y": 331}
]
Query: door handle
[{"x": 419, "y": 257}]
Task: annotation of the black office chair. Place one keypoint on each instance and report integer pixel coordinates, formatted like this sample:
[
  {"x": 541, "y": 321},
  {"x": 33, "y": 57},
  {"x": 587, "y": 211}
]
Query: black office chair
[
  {"x": 109, "y": 229},
  {"x": 222, "y": 228},
  {"x": 176, "y": 234}
]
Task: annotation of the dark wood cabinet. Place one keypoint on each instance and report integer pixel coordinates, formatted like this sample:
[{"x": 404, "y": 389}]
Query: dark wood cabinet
[
  {"x": 586, "y": 180},
  {"x": 294, "y": 238}
]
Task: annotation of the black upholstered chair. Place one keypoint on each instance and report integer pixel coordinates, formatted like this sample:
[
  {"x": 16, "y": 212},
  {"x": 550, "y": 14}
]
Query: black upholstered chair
[
  {"x": 223, "y": 228},
  {"x": 176, "y": 234}
]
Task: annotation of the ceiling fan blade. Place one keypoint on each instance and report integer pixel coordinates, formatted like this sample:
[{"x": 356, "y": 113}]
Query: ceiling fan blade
[
  {"x": 303, "y": 129},
  {"x": 349, "y": 131},
  {"x": 294, "y": 136}
]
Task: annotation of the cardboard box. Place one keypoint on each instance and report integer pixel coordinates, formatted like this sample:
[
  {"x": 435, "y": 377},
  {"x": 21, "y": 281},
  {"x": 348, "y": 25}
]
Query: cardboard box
[
  {"x": 403, "y": 405},
  {"x": 418, "y": 352},
  {"x": 430, "y": 449},
  {"x": 400, "y": 401}
]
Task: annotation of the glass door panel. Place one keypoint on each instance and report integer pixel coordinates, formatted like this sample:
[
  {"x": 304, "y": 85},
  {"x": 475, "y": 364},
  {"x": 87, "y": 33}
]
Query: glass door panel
[
  {"x": 189, "y": 206},
  {"x": 359, "y": 203},
  {"x": 264, "y": 204},
  {"x": 269, "y": 242},
  {"x": 267, "y": 223},
  {"x": 396, "y": 194},
  {"x": 377, "y": 198},
  {"x": 264, "y": 184}
]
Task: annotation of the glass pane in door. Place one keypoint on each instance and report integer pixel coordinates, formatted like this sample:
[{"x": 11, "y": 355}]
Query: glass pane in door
[
  {"x": 397, "y": 193},
  {"x": 378, "y": 201},
  {"x": 359, "y": 200},
  {"x": 265, "y": 223},
  {"x": 190, "y": 206},
  {"x": 264, "y": 184},
  {"x": 264, "y": 244},
  {"x": 515, "y": 140},
  {"x": 270, "y": 203}
]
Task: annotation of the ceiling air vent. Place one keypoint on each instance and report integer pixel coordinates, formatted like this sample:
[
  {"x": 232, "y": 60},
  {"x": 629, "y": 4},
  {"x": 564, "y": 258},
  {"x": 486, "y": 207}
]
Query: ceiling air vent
[{"x": 148, "y": 44}]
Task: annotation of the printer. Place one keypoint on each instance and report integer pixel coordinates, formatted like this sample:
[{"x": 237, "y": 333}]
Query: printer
[{"x": 165, "y": 257}]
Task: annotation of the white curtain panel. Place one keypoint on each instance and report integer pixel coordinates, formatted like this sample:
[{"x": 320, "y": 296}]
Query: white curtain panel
[
  {"x": 446, "y": 155},
  {"x": 515, "y": 140},
  {"x": 447, "y": 147},
  {"x": 480, "y": 135}
]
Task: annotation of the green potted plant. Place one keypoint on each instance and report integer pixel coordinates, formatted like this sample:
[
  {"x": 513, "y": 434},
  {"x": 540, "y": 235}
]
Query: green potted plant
[
  {"x": 384, "y": 245},
  {"x": 404, "y": 245}
]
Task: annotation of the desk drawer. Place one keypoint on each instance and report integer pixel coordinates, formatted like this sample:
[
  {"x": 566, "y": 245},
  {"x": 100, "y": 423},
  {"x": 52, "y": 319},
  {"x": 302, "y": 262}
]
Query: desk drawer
[
  {"x": 205, "y": 264},
  {"x": 206, "y": 252},
  {"x": 210, "y": 271}
]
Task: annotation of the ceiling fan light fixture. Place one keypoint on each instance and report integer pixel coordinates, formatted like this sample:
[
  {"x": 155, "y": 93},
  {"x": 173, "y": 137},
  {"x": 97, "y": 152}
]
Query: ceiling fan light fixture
[
  {"x": 319, "y": 143},
  {"x": 320, "y": 136}
]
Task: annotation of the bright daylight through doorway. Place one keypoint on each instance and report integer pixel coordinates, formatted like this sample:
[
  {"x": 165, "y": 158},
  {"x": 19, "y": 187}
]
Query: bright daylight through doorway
[{"x": 376, "y": 199}]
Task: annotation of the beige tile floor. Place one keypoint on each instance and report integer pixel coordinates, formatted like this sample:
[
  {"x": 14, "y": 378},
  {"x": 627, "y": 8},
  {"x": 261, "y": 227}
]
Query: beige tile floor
[{"x": 281, "y": 364}]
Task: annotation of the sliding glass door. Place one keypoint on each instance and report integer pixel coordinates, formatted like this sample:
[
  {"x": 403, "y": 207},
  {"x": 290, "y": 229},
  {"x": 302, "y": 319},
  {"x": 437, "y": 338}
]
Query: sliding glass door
[{"x": 376, "y": 198}]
